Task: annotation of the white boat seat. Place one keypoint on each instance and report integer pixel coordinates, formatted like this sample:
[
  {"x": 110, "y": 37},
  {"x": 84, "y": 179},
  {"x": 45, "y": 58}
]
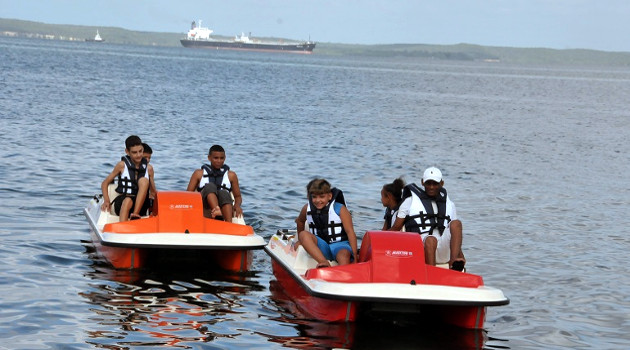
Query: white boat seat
[
  {"x": 303, "y": 261},
  {"x": 111, "y": 192}
]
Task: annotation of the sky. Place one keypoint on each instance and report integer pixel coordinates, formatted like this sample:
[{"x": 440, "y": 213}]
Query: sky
[{"x": 558, "y": 24}]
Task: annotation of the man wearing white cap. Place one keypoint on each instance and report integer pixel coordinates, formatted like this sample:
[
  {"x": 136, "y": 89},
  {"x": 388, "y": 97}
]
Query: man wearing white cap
[{"x": 431, "y": 213}]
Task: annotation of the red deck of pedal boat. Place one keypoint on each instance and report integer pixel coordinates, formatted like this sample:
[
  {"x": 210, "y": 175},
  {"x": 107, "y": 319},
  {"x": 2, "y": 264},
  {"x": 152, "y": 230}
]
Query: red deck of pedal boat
[{"x": 390, "y": 276}]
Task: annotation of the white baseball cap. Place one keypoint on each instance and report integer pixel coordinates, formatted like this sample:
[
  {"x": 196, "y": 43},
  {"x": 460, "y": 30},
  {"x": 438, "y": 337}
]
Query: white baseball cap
[{"x": 433, "y": 174}]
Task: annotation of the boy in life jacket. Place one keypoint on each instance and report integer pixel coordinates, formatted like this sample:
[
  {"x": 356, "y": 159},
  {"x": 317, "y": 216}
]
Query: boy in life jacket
[
  {"x": 431, "y": 213},
  {"x": 133, "y": 182},
  {"x": 216, "y": 181},
  {"x": 147, "y": 153},
  {"x": 331, "y": 235}
]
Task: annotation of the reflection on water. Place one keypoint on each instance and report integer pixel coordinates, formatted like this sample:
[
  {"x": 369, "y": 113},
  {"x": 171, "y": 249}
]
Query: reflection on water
[
  {"x": 181, "y": 306},
  {"x": 169, "y": 307},
  {"x": 370, "y": 332}
]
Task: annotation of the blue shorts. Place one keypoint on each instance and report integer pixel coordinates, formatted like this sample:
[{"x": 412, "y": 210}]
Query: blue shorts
[{"x": 330, "y": 250}]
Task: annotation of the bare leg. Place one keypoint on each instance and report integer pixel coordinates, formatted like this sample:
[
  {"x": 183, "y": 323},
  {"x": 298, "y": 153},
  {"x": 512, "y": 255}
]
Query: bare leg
[
  {"x": 143, "y": 189},
  {"x": 212, "y": 200},
  {"x": 430, "y": 246},
  {"x": 125, "y": 209},
  {"x": 343, "y": 257},
  {"x": 456, "y": 243},
  {"x": 226, "y": 211},
  {"x": 309, "y": 242}
]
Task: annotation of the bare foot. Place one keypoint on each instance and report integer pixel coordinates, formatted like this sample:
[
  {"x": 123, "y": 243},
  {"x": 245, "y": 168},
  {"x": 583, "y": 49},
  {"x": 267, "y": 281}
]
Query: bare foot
[{"x": 323, "y": 264}]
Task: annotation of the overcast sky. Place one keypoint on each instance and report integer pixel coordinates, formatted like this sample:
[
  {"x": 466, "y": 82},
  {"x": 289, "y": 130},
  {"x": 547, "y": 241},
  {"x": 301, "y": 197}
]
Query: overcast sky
[{"x": 560, "y": 24}]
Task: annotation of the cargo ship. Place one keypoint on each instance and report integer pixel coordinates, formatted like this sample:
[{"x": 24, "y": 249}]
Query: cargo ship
[{"x": 199, "y": 37}]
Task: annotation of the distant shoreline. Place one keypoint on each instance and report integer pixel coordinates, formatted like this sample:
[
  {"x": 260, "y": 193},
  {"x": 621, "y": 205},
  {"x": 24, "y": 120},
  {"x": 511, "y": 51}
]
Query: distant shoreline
[{"x": 459, "y": 52}]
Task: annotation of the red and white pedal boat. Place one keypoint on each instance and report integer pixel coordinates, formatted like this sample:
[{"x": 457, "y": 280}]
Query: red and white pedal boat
[
  {"x": 177, "y": 228},
  {"x": 389, "y": 277}
]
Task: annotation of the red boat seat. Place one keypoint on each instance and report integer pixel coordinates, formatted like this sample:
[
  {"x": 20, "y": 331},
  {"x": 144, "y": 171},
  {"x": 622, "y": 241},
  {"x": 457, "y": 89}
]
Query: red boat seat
[{"x": 393, "y": 257}]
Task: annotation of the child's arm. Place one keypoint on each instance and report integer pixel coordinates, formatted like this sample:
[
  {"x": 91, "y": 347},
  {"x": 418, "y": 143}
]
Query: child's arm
[
  {"x": 346, "y": 220},
  {"x": 195, "y": 178},
  {"x": 118, "y": 168},
  {"x": 398, "y": 224},
  {"x": 301, "y": 220},
  {"x": 152, "y": 188},
  {"x": 236, "y": 192}
]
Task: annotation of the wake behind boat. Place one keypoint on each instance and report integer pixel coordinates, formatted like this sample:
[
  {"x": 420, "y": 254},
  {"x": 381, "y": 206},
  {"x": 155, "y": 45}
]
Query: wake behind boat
[
  {"x": 389, "y": 277},
  {"x": 199, "y": 37},
  {"x": 176, "y": 228}
]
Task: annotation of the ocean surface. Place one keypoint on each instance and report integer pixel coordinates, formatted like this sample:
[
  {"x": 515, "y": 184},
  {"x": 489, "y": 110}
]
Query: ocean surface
[{"x": 536, "y": 158}]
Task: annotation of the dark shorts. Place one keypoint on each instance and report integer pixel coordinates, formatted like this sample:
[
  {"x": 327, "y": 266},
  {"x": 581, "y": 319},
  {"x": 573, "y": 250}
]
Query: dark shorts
[
  {"x": 223, "y": 195},
  {"x": 143, "y": 211}
]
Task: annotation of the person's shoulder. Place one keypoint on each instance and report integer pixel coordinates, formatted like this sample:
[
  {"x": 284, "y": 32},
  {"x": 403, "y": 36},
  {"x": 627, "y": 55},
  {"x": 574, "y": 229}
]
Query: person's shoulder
[{"x": 120, "y": 165}]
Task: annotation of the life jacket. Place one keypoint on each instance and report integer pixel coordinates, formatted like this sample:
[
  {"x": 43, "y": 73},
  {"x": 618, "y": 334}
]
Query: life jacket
[
  {"x": 326, "y": 223},
  {"x": 217, "y": 176},
  {"x": 422, "y": 218},
  {"x": 390, "y": 216},
  {"x": 128, "y": 179}
]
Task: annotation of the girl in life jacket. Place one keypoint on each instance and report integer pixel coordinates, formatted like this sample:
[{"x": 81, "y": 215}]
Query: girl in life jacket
[
  {"x": 331, "y": 235},
  {"x": 391, "y": 198}
]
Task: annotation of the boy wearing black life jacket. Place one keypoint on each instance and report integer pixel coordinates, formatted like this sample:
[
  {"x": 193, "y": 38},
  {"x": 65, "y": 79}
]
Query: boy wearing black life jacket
[
  {"x": 432, "y": 214},
  {"x": 133, "y": 182},
  {"x": 331, "y": 235},
  {"x": 216, "y": 181}
]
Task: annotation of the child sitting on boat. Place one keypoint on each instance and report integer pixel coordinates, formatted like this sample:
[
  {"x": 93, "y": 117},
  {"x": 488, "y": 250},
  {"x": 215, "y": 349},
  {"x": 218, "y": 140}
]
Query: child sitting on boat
[
  {"x": 217, "y": 184},
  {"x": 391, "y": 197},
  {"x": 147, "y": 154},
  {"x": 133, "y": 182},
  {"x": 331, "y": 235}
]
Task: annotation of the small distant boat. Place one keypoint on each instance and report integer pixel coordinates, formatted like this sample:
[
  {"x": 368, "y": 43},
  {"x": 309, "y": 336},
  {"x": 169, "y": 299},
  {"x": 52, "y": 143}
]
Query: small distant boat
[
  {"x": 97, "y": 38},
  {"x": 199, "y": 37},
  {"x": 175, "y": 231}
]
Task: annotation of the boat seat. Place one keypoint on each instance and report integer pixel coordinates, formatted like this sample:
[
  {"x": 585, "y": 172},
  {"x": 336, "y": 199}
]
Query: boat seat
[
  {"x": 111, "y": 192},
  {"x": 303, "y": 260}
]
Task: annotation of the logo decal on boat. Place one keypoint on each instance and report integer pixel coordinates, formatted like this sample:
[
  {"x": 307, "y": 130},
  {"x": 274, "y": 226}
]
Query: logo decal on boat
[
  {"x": 181, "y": 206},
  {"x": 399, "y": 253}
]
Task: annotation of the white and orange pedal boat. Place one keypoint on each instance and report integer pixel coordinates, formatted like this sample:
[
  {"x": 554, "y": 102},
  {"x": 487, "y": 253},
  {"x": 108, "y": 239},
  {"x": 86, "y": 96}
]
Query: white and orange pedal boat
[
  {"x": 175, "y": 229},
  {"x": 389, "y": 277}
]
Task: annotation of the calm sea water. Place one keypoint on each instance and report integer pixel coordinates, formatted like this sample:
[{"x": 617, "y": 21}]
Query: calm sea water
[{"x": 536, "y": 159}]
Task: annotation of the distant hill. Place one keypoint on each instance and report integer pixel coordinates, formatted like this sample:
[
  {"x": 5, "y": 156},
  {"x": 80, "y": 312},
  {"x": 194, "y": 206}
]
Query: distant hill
[{"x": 461, "y": 52}]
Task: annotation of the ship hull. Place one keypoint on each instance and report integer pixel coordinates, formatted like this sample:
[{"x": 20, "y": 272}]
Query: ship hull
[{"x": 305, "y": 48}]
